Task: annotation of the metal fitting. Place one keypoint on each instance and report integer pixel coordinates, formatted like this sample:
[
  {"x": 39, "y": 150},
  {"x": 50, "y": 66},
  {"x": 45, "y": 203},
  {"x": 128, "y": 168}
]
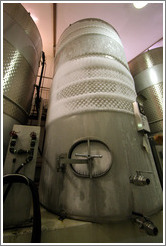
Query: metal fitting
[
  {"x": 33, "y": 135},
  {"x": 13, "y": 134},
  {"x": 139, "y": 179},
  {"x": 146, "y": 225}
]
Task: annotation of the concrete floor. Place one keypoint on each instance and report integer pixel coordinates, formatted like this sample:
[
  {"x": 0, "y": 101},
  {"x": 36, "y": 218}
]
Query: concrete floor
[{"x": 72, "y": 231}]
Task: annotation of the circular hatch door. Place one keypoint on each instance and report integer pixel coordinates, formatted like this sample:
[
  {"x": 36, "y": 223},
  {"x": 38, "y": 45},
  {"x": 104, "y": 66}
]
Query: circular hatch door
[{"x": 97, "y": 155}]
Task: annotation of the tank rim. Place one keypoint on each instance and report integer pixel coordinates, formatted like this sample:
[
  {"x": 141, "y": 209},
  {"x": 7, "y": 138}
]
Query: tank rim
[
  {"x": 93, "y": 19},
  {"x": 139, "y": 63}
]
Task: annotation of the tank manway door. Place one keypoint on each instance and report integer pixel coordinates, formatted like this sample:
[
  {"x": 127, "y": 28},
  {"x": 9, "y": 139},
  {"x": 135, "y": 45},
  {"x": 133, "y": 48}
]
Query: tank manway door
[{"x": 88, "y": 158}]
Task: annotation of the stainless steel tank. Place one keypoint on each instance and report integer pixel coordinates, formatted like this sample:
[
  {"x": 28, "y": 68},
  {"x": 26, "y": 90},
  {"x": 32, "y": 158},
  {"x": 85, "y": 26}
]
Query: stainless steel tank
[
  {"x": 22, "y": 48},
  {"x": 147, "y": 71},
  {"x": 96, "y": 166}
]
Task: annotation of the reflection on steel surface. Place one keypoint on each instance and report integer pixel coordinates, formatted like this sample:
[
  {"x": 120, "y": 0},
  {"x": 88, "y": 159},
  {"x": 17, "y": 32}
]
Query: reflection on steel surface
[
  {"x": 147, "y": 70},
  {"x": 22, "y": 47}
]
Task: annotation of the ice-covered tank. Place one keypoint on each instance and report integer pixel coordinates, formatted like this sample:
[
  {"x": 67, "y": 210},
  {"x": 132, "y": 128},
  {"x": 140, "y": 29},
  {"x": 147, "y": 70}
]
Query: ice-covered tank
[
  {"x": 96, "y": 165},
  {"x": 22, "y": 48},
  {"x": 147, "y": 71}
]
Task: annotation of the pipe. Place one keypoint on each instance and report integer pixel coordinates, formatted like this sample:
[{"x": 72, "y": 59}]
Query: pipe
[
  {"x": 40, "y": 112},
  {"x": 42, "y": 70},
  {"x": 54, "y": 26},
  {"x": 18, "y": 178},
  {"x": 16, "y": 172},
  {"x": 37, "y": 100}
]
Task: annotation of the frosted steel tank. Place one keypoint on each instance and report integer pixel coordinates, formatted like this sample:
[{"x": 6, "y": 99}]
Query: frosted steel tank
[
  {"x": 147, "y": 70},
  {"x": 22, "y": 48},
  {"x": 93, "y": 150}
]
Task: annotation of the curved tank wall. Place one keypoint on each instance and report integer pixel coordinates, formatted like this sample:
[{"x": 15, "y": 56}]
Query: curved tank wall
[
  {"x": 147, "y": 71},
  {"x": 22, "y": 48},
  {"x": 93, "y": 150}
]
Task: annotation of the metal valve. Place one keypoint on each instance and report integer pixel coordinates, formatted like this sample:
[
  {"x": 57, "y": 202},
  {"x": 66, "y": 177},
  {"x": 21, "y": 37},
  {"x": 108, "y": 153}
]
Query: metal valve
[
  {"x": 14, "y": 137},
  {"x": 139, "y": 179},
  {"x": 144, "y": 223}
]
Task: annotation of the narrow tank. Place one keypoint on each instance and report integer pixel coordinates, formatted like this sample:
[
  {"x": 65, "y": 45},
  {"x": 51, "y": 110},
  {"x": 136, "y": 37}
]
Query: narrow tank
[
  {"x": 97, "y": 166},
  {"x": 22, "y": 48},
  {"x": 147, "y": 71}
]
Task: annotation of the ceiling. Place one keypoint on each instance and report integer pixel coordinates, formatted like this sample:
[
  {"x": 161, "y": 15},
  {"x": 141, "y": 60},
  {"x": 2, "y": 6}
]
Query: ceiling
[
  {"x": 138, "y": 28},
  {"x": 44, "y": 13}
]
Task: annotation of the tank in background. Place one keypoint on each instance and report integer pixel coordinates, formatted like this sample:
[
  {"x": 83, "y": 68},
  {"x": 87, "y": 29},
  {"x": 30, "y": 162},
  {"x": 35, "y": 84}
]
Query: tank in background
[
  {"x": 147, "y": 71},
  {"x": 22, "y": 48},
  {"x": 97, "y": 163}
]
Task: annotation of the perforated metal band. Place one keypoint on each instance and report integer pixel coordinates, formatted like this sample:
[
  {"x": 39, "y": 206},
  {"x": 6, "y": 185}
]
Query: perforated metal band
[{"x": 91, "y": 84}]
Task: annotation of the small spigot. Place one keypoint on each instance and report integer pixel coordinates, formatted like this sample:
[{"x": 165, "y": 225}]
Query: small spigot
[
  {"x": 139, "y": 179},
  {"x": 145, "y": 223}
]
